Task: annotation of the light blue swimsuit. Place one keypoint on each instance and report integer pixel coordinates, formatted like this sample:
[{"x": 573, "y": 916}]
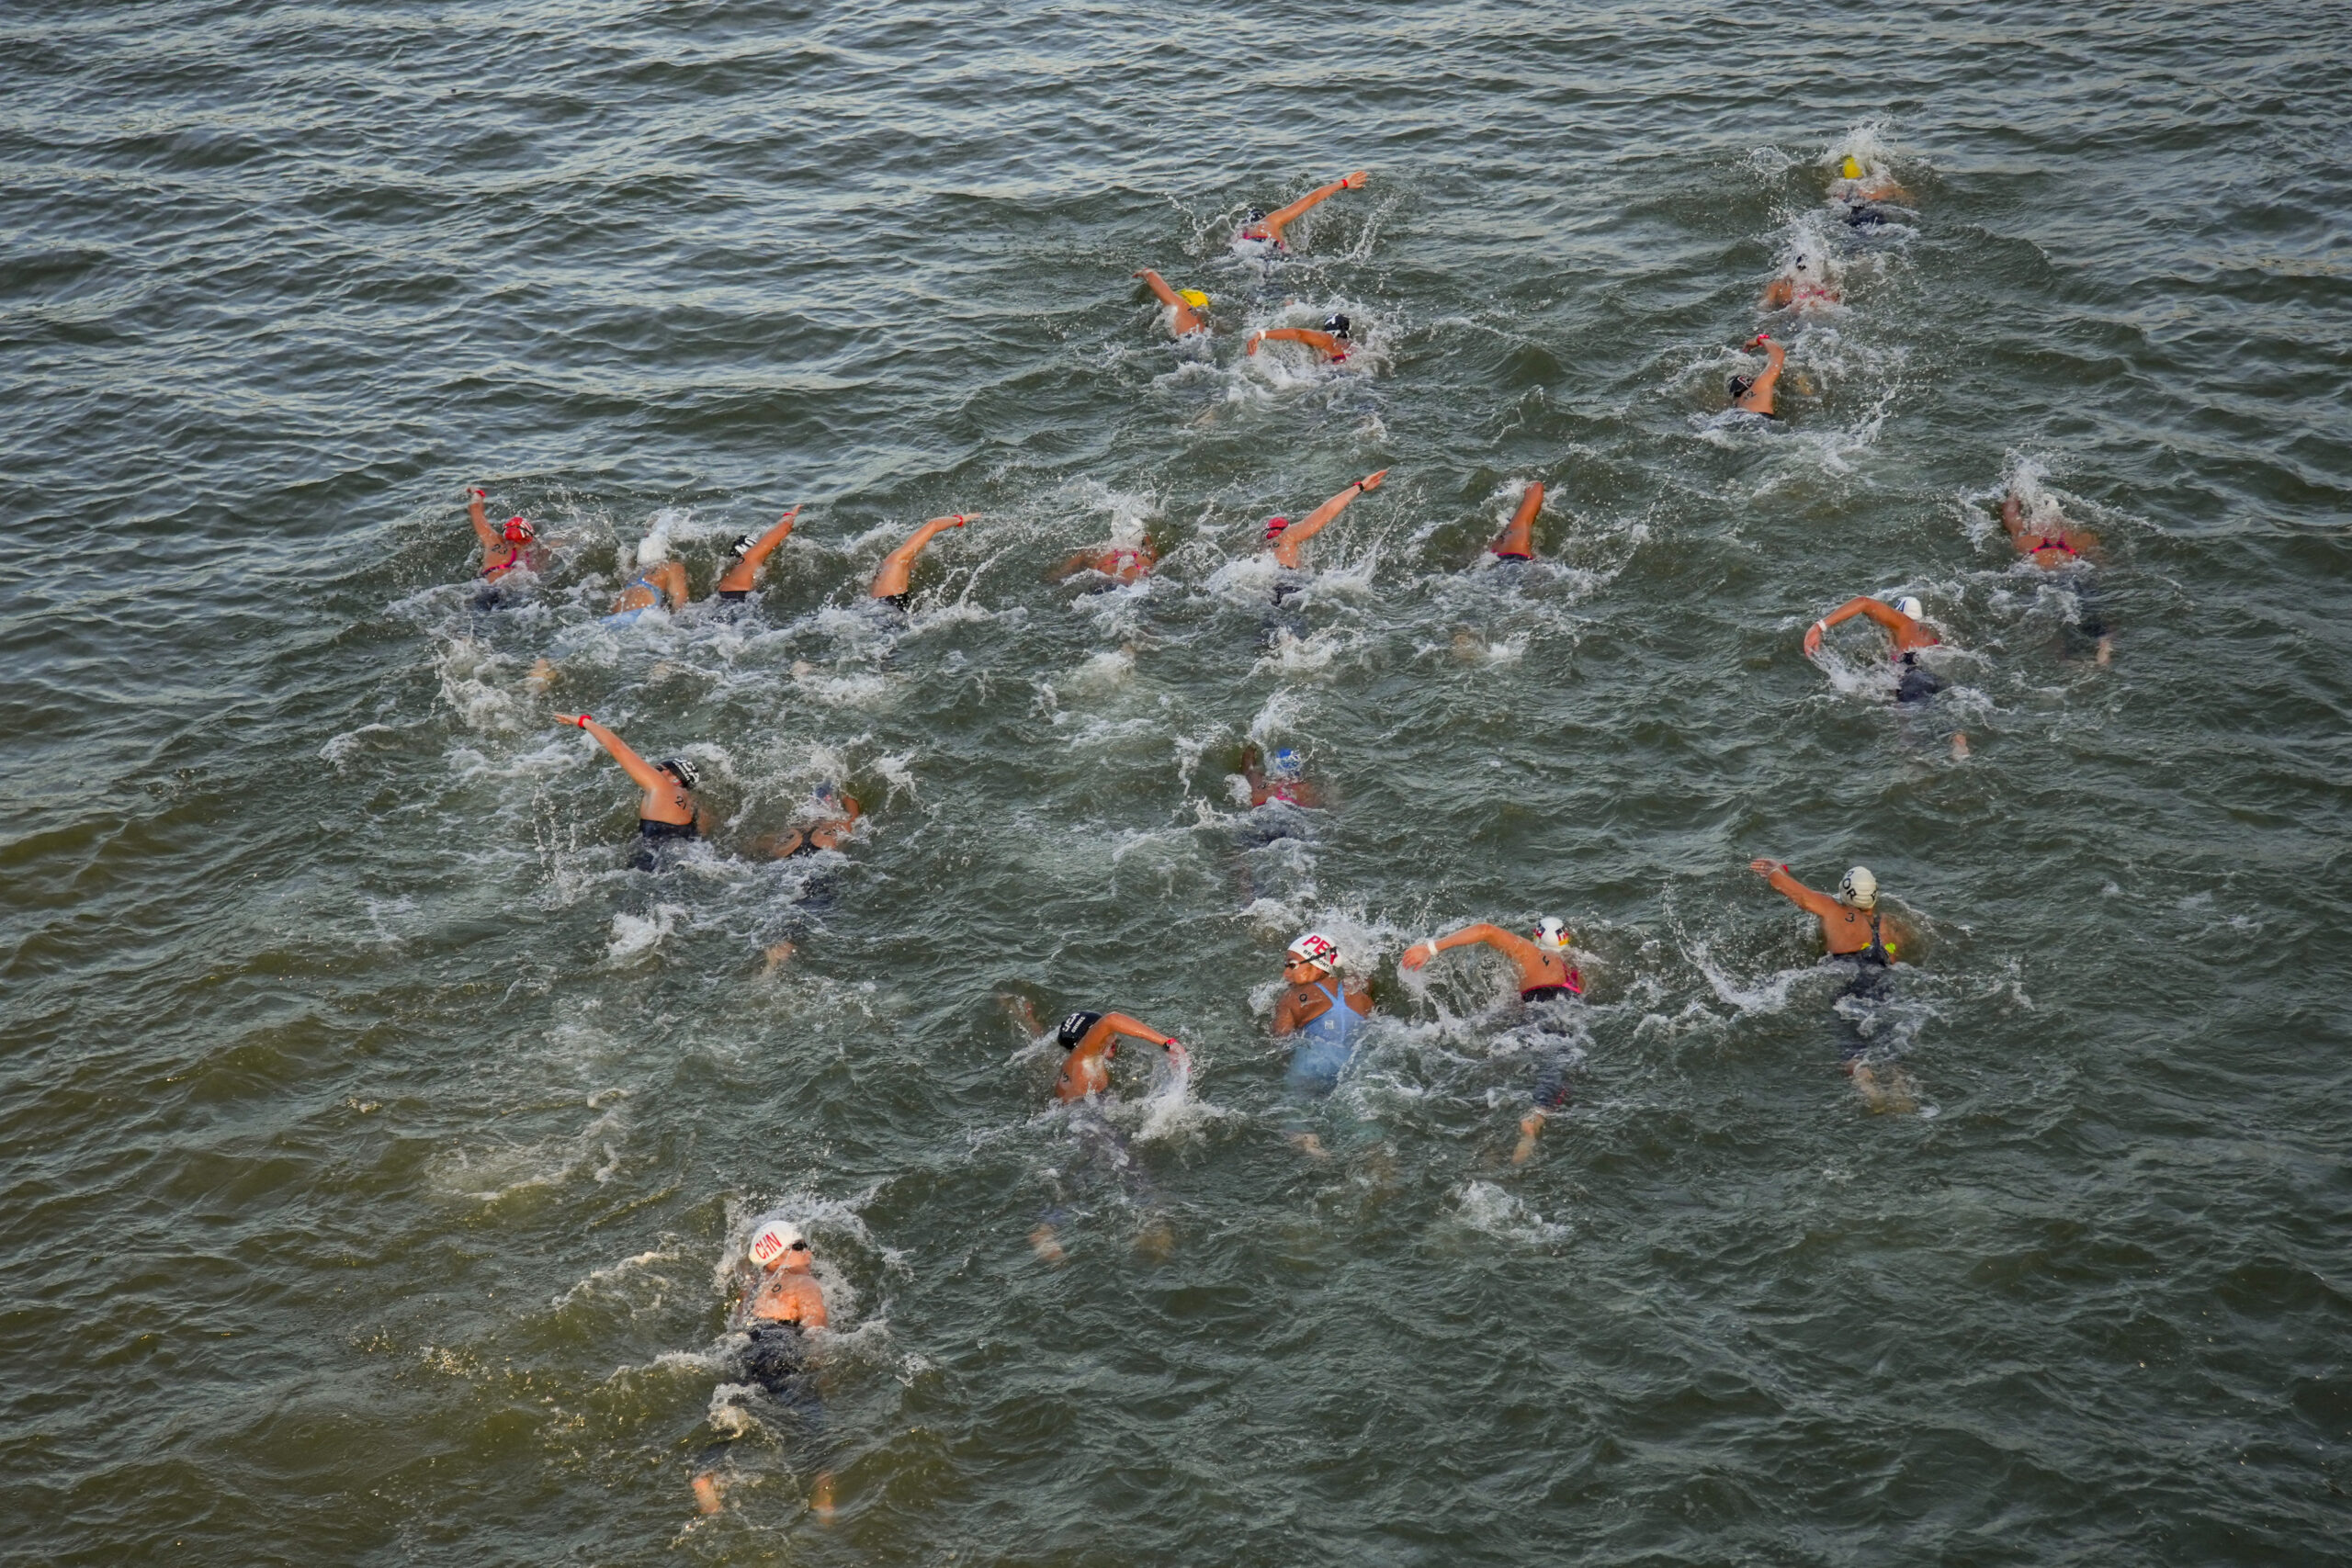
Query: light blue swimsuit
[{"x": 1326, "y": 1042}]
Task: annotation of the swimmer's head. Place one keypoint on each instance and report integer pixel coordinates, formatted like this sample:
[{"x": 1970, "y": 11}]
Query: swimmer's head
[
  {"x": 1551, "y": 932},
  {"x": 742, "y": 545},
  {"x": 828, "y": 794},
  {"x": 1194, "y": 298},
  {"x": 1315, "y": 949},
  {"x": 1907, "y": 605},
  {"x": 1857, "y": 888},
  {"x": 1336, "y": 324},
  {"x": 1074, "y": 1028},
  {"x": 1851, "y": 169},
  {"x": 653, "y": 550},
  {"x": 519, "y": 532},
  {"x": 678, "y": 768},
  {"x": 1740, "y": 385},
  {"x": 1274, "y": 526},
  {"x": 1287, "y": 765},
  {"x": 774, "y": 1241}
]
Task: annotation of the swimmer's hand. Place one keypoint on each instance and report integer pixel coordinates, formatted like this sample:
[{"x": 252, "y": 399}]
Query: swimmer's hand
[
  {"x": 1419, "y": 955},
  {"x": 1371, "y": 482},
  {"x": 1758, "y": 340},
  {"x": 1355, "y": 181},
  {"x": 1178, "y": 1055},
  {"x": 1764, "y": 867},
  {"x": 582, "y": 719},
  {"x": 1813, "y": 637}
]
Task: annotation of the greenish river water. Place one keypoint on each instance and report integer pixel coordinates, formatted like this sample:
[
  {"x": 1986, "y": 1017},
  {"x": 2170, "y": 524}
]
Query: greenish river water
[{"x": 377, "y": 1144}]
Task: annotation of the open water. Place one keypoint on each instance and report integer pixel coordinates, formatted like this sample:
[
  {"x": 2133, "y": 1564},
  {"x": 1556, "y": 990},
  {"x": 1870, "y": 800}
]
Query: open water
[{"x": 375, "y": 1141}]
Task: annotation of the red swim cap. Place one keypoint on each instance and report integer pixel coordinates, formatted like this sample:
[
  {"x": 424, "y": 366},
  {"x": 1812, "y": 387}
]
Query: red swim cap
[{"x": 519, "y": 532}]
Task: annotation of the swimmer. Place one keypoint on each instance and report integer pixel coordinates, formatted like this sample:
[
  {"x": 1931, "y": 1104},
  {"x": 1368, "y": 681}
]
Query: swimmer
[
  {"x": 837, "y": 815},
  {"x": 1325, "y": 1012},
  {"x": 1180, "y": 303},
  {"x": 1858, "y": 188},
  {"x": 1288, "y": 538},
  {"x": 783, "y": 1304},
  {"x": 1092, "y": 1039},
  {"x": 657, "y": 575},
  {"x": 1754, "y": 393},
  {"x": 668, "y": 812},
  {"x": 1545, "y": 975},
  {"x": 898, "y": 566},
  {"x": 1331, "y": 342},
  {"x": 1803, "y": 287},
  {"x": 1267, "y": 228},
  {"x": 1123, "y": 564},
  {"x": 2053, "y": 546},
  {"x": 1518, "y": 541},
  {"x": 1283, "y": 781},
  {"x": 1907, "y": 634},
  {"x": 749, "y": 554},
  {"x": 1861, "y": 938},
  {"x": 510, "y": 549}
]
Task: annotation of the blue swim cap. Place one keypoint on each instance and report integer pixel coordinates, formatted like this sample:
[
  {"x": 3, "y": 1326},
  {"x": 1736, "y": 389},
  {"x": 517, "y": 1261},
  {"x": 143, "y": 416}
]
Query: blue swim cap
[{"x": 1287, "y": 763}]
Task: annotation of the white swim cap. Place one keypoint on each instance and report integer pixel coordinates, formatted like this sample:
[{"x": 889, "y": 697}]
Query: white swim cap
[
  {"x": 1859, "y": 887},
  {"x": 1907, "y": 605},
  {"x": 1551, "y": 932},
  {"x": 772, "y": 1241},
  {"x": 1316, "y": 949},
  {"x": 653, "y": 549}
]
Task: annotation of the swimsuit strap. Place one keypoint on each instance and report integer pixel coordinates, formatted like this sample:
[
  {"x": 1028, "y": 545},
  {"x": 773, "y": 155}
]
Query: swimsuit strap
[{"x": 513, "y": 558}]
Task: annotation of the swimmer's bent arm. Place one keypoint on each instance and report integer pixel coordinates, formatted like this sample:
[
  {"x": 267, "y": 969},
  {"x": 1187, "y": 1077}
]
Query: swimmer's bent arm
[
  {"x": 477, "y": 509},
  {"x": 741, "y": 577},
  {"x": 1518, "y": 949},
  {"x": 1757, "y": 398},
  {"x": 1185, "y": 321},
  {"x": 1295, "y": 538},
  {"x": 899, "y": 565},
  {"x": 1816, "y": 904},
  {"x": 1120, "y": 1023},
  {"x": 1321, "y": 342},
  {"x": 645, "y": 773},
  {"x": 1885, "y": 614}
]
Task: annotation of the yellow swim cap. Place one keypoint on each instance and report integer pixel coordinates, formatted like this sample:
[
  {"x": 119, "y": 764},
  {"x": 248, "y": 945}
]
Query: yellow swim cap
[
  {"x": 1192, "y": 296},
  {"x": 1850, "y": 169}
]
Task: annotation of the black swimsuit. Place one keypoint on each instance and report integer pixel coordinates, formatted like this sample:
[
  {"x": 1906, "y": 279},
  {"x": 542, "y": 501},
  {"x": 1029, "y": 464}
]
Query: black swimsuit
[
  {"x": 1916, "y": 684},
  {"x": 648, "y": 827},
  {"x": 735, "y": 595},
  {"x": 1564, "y": 992}
]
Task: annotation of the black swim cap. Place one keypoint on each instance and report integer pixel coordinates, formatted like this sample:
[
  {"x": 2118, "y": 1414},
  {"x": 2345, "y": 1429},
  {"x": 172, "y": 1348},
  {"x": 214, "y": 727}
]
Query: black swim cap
[
  {"x": 1336, "y": 324},
  {"x": 678, "y": 768},
  {"x": 1074, "y": 1028},
  {"x": 1740, "y": 385},
  {"x": 742, "y": 545}
]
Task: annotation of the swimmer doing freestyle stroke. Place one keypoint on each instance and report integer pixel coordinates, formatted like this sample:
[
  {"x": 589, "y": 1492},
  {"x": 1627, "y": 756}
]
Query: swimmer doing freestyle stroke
[
  {"x": 1331, "y": 342},
  {"x": 669, "y": 812},
  {"x": 658, "y": 576},
  {"x": 1864, "y": 194},
  {"x": 1546, "y": 973},
  {"x": 746, "y": 556},
  {"x": 1517, "y": 541},
  {"x": 1808, "y": 284},
  {"x": 1864, "y": 941},
  {"x": 891, "y": 579},
  {"x": 1908, "y": 633},
  {"x": 1266, "y": 228},
  {"x": 1325, "y": 1012},
  {"x": 2047, "y": 540},
  {"x": 1123, "y": 564},
  {"x": 782, "y": 1303},
  {"x": 1180, "y": 303},
  {"x": 513, "y": 548},
  {"x": 1288, "y": 539},
  {"x": 1753, "y": 394}
]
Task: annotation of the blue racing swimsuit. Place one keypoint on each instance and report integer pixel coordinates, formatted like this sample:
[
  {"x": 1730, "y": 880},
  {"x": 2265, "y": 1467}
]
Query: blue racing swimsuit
[{"x": 1326, "y": 1042}]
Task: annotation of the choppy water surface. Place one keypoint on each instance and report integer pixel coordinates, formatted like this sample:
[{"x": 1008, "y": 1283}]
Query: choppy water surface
[{"x": 376, "y": 1141}]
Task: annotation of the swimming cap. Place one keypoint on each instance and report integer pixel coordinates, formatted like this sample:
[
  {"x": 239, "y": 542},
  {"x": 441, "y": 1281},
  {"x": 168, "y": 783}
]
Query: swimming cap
[
  {"x": 1907, "y": 606},
  {"x": 1740, "y": 385},
  {"x": 1194, "y": 298},
  {"x": 678, "y": 768},
  {"x": 1850, "y": 169},
  {"x": 742, "y": 545},
  {"x": 1274, "y": 525},
  {"x": 1336, "y": 324},
  {"x": 772, "y": 1241},
  {"x": 1316, "y": 949},
  {"x": 1859, "y": 887},
  {"x": 1550, "y": 932},
  {"x": 519, "y": 532},
  {"x": 1074, "y": 1029},
  {"x": 653, "y": 550},
  {"x": 1287, "y": 765}
]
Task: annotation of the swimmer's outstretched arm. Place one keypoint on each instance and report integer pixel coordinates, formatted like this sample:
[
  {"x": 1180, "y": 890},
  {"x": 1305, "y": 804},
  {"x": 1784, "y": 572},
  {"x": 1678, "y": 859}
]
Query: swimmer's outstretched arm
[
  {"x": 478, "y": 509},
  {"x": 1271, "y": 226},
  {"x": 1134, "y": 1029},
  {"x": 1184, "y": 322},
  {"x": 1516, "y": 948},
  {"x": 1322, "y": 342},
  {"x": 1757, "y": 398},
  {"x": 898, "y": 566},
  {"x": 1885, "y": 614},
  {"x": 1519, "y": 539},
  {"x": 1293, "y": 538},
  {"x": 1819, "y": 903},
  {"x": 645, "y": 774},
  {"x": 741, "y": 577}
]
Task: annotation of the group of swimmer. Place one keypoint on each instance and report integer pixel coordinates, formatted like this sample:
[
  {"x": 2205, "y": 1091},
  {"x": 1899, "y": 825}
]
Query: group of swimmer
[{"x": 1321, "y": 1006}]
